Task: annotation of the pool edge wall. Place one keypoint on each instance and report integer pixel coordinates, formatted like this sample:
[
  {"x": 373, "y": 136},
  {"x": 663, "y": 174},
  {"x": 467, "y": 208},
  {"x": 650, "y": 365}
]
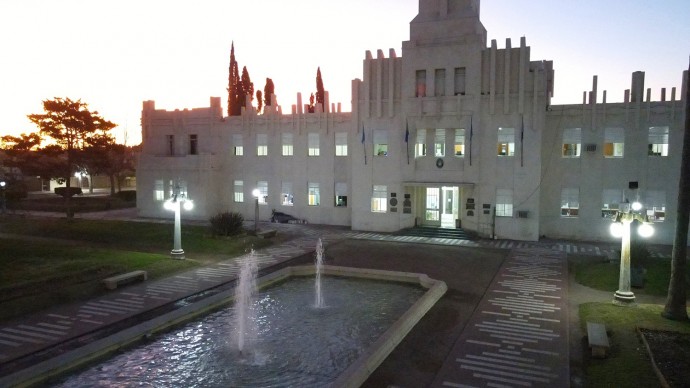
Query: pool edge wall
[{"x": 353, "y": 376}]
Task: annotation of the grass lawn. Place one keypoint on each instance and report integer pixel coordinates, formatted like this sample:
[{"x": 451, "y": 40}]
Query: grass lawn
[
  {"x": 38, "y": 274},
  {"x": 627, "y": 364}
]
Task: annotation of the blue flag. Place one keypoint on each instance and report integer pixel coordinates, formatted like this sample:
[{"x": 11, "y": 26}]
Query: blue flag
[
  {"x": 362, "y": 135},
  {"x": 407, "y": 133}
]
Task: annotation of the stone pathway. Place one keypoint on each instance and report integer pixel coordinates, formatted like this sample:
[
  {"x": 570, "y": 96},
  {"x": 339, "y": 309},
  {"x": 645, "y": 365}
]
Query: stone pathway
[{"x": 518, "y": 335}]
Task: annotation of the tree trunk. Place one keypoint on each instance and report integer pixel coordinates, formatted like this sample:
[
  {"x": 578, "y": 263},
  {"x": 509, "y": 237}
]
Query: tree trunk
[
  {"x": 112, "y": 184},
  {"x": 675, "y": 307}
]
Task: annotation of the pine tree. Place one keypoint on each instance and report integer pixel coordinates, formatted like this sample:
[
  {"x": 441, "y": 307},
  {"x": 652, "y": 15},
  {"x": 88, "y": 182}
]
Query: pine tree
[
  {"x": 320, "y": 93},
  {"x": 234, "y": 109},
  {"x": 259, "y": 100},
  {"x": 269, "y": 90},
  {"x": 247, "y": 89}
]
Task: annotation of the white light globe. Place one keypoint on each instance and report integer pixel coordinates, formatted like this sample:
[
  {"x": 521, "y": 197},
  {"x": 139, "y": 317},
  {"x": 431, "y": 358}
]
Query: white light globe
[
  {"x": 188, "y": 205},
  {"x": 616, "y": 229},
  {"x": 2, "y": 184},
  {"x": 636, "y": 206},
  {"x": 256, "y": 193},
  {"x": 168, "y": 205},
  {"x": 645, "y": 230}
]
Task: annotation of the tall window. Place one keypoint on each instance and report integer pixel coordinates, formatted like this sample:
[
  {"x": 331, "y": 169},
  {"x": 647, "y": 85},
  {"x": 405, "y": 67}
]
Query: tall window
[
  {"x": 313, "y": 139},
  {"x": 506, "y": 141},
  {"x": 460, "y": 81},
  {"x": 170, "y": 144},
  {"x": 287, "y": 144},
  {"x": 313, "y": 194},
  {"x": 420, "y": 145},
  {"x": 504, "y": 203},
  {"x": 440, "y": 142},
  {"x": 341, "y": 144},
  {"x": 340, "y": 194},
  {"x": 193, "y": 145},
  {"x": 239, "y": 191},
  {"x": 420, "y": 90},
  {"x": 158, "y": 190},
  {"x": 237, "y": 145},
  {"x": 379, "y": 199},
  {"x": 261, "y": 144},
  {"x": 613, "y": 142},
  {"x": 380, "y": 142},
  {"x": 263, "y": 191},
  {"x": 570, "y": 202},
  {"x": 655, "y": 202},
  {"x": 610, "y": 202},
  {"x": 440, "y": 82},
  {"x": 286, "y": 194},
  {"x": 658, "y": 141},
  {"x": 459, "y": 147},
  {"x": 572, "y": 139}
]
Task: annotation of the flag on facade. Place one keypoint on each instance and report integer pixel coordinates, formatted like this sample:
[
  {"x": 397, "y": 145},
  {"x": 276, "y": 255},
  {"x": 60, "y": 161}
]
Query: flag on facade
[
  {"x": 364, "y": 147},
  {"x": 522, "y": 141},
  {"x": 407, "y": 140},
  {"x": 471, "y": 134}
]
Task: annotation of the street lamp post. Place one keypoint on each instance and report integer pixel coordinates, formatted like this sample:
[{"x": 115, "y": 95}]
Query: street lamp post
[
  {"x": 256, "y": 193},
  {"x": 621, "y": 228},
  {"x": 4, "y": 198},
  {"x": 175, "y": 203}
]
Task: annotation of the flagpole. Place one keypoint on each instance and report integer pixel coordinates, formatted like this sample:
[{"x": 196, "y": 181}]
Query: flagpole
[
  {"x": 471, "y": 133},
  {"x": 407, "y": 140},
  {"x": 364, "y": 147},
  {"x": 522, "y": 142}
]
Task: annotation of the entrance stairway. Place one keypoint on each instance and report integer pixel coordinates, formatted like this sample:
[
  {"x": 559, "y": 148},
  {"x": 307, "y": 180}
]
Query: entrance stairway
[{"x": 435, "y": 232}]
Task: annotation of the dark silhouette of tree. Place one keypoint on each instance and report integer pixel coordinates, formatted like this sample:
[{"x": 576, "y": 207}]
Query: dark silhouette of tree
[
  {"x": 311, "y": 107},
  {"x": 24, "y": 154},
  {"x": 320, "y": 92},
  {"x": 234, "y": 106},
  {"x": 269, "y": 90},
  {"x": 71, "y": 126},
  {"x": 675, "y": 308},
  {"x": 247, "y": 89},
  {"x": 259, "y": 100}
]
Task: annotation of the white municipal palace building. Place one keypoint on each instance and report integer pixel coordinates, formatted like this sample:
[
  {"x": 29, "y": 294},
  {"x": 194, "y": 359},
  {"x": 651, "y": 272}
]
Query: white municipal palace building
[{"x": 451, "y": 132}]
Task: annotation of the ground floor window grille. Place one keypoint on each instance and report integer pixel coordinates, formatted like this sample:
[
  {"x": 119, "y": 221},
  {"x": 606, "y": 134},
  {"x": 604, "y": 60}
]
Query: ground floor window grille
[
  {"x": 263, "y": 191},
  {"x": 379, "y": 199},
  {"x": 287, "y": 196},
  {"x": 611, "y": 200},
  {"x": 570, "y": 202},
  {"x": 313, "y": 194},
  {"x": 239, "y": 191},
  {"x": 504, "y": 203},
  {"x": 655, "y": 202},
  {"x": 341, "y": 194}
]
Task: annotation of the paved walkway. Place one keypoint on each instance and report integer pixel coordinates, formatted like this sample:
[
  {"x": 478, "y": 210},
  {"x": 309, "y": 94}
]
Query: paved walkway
[{"x": 517, "y": 337}]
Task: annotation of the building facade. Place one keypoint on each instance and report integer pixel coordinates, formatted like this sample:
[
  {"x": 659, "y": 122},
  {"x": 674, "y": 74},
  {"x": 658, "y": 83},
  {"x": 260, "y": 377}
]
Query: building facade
[{"x": 452, "y": 133}]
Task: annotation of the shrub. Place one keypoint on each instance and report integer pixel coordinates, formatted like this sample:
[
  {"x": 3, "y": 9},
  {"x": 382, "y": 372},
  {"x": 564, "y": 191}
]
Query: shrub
[
  {"x": 62, "y": 191},
  {"x": 127, "y": 195},
  {"x": 226, "y": 224}
]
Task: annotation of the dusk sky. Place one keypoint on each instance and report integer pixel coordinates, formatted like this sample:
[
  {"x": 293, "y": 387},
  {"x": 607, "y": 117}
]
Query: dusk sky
[{"x": 115, "y": 54}]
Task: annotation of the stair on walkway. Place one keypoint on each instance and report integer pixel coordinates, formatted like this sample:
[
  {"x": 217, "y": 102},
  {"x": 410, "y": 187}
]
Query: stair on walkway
[{"x": 435, "y": 232}]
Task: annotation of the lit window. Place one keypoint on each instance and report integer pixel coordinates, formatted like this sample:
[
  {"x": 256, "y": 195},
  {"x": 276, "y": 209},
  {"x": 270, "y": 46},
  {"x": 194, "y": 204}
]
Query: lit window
[
  {"x": 261, "y": 144},
  {"x": 313, "y": 139},
  {"x": 341, "y": 144},
  {"x": 655, "y": 202},
  {"x": 379, "y": 199},
  {"x": 313, "y": 194},
  {"x": 440, "y": 82},
  {"x": 239, "y": 191},
  {"x": 193, "y": 144},
  {"x": 158, "y": 191},
  {"x": 459, "y": 81},
  {"x": 658, "y": 141},
  {"x": 570, "y": 202},
  {"x": 286, "y": 194},
  {"x": 613, "y": 142},
  {"x": 440, "y": 143},
  {"x": 420, "y": 145},
  {"x": 341, "y": 194},
  {"x": 506, "y": 141},
  {"x": 572, "y": 139},
  {"x": 263, "y": 191},
  {"x": 237, "y": 144},
  {"x": 459, "y": 147},
  {"x": 420, "y": 90},
  {"x": 504, "y": 203},
  {"x": 287, "y": 144},
  {"x": 380, "y": 142},
  {"x": 610, "y": 202}
]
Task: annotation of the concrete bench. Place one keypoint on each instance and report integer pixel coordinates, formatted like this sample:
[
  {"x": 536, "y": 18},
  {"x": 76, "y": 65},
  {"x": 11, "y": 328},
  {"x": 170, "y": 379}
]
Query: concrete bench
[
  {"x": 112, "y": 282},
  {"x": 598, "y": 340},
  {"x": 267, "y": 233}
]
